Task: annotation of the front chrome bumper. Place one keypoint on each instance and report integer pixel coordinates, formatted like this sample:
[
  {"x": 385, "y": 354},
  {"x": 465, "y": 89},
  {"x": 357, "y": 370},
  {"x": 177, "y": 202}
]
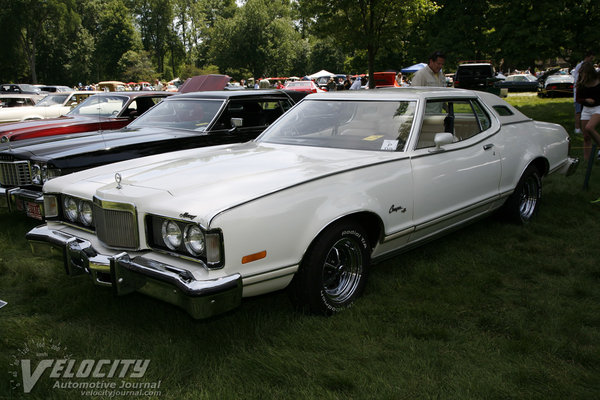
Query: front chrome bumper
[{"x": 200, "y": 298}]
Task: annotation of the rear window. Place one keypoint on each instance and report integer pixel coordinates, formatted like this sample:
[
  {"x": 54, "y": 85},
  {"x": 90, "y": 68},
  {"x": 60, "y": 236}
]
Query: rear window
[
  {"x": 475, "y": 70},
  {"x": 503, "y": 111}
]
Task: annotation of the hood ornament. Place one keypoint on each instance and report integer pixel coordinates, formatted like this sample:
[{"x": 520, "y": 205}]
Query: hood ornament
[{"x": 118, "y": 180}]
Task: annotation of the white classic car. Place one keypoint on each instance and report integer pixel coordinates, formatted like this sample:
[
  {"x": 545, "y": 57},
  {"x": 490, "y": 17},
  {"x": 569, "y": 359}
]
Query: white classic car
[
  {"x": 341, "y": 180},
  {"x": 51, "y": 106}
]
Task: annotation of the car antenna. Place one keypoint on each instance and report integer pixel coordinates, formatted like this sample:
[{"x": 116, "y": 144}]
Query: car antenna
[{"x": 100, "y": 125}]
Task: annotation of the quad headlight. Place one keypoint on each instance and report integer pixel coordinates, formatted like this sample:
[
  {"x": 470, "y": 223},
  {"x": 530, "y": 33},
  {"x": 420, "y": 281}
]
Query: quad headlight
[
  {"x": 40, "y": 173},
  {"x": 85, "y": 213},
  {"x": 36, "y": 174},
  {"x": 70, "y": 209},
  {"x": 77, "y": 211},
  {"x": 171, "y": 234},
  {"x": 194, "y": 240},
  {"x": 186, "y": 239}
]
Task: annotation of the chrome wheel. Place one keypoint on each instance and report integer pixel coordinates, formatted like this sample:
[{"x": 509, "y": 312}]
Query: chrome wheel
[
  {"x": 334, "y": 270},
  {"x": 528, "y": 197},
  {"x": 522, "y": 205},
  {"x": 342, "y": 270}
]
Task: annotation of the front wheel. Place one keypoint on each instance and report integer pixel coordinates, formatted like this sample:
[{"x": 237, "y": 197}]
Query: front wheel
[
  {"x": 522, "y": 205},
  {"x": 334, "y": 270}
]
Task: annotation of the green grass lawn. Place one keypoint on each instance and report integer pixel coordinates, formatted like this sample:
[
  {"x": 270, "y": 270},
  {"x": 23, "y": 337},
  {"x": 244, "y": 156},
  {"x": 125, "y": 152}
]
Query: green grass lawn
[{"x": 493, "y": 311}]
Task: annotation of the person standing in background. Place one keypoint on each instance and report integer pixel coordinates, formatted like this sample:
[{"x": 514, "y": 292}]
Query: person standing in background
[
  {"x": 431, "y": 75},
  {"x": 589, "y": 57}
]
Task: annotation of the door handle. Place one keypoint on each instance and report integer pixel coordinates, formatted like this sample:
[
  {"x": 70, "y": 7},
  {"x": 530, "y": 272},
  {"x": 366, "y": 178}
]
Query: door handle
[{"x": 488, "y": 146}]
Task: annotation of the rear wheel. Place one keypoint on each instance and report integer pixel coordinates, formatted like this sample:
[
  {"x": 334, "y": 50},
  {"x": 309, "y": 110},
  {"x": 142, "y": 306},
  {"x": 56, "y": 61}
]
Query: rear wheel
[
  {"x": 334, "y": 270},
  {"x": 522, "y": 205}
]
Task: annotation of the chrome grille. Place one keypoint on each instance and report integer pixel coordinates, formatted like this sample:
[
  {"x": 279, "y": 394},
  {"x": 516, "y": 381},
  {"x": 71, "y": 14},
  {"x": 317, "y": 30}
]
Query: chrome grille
[
  {"x": 116, "y": 224},
  {"x": 15, "y": 173}
]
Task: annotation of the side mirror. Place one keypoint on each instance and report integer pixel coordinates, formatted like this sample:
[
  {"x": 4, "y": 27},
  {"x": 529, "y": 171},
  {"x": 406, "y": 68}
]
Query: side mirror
[
  {"x": 237, "y": 122},
  {"x": 442, "y": 139}
]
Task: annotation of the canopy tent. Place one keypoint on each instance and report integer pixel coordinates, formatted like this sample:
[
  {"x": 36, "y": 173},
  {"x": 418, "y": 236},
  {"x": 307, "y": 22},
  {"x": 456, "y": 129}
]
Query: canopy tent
[
  {"x": 320, "y": 74},
  {"x": 413, "y": 68}
]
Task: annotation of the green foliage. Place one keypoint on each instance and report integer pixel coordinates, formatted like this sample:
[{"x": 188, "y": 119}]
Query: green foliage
[
  {"x": 260, "y": 37},
  {"x": 187, "y": 71},
  {"x": 116, "y": 36},
  {"x": 136, "y": 67},
  {"x": 366, "y": 25},
  {"x": 71, "y": 41}
]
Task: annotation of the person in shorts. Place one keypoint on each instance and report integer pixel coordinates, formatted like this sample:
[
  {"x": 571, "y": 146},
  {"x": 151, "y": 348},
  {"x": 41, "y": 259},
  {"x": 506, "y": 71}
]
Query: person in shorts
[{"x": 588, "y": 95}]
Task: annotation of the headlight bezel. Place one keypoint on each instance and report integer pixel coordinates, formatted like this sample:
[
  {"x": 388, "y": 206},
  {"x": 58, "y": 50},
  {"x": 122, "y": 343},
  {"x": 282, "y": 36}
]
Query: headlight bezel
[
  {"x": 41, "y": 173},
  {"x": 210, "y": 256},
  {"x": 35, "y": 171},
  {"x": 76, "y": 211}
]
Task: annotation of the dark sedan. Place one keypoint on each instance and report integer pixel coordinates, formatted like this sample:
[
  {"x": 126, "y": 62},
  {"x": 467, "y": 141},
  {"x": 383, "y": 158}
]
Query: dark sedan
[
  {"x": 102, "y": 111},
  {"x": 179, "y": 122},
  {"x": 519, "y": 83}
]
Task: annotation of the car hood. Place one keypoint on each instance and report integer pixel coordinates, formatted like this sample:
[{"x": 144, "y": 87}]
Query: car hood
[
  {"x": 207, "y": 181},
  {"x": 87, "y": 143},
  {"x": 48, "y": 123}
]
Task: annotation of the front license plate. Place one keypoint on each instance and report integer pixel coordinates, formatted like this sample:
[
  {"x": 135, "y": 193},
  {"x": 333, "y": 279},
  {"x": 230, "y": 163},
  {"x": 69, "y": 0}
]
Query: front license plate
[{"x": 33, "y": 210}]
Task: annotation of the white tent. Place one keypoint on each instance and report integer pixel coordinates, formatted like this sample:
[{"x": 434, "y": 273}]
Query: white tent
[{"x": 320, "y": 74}]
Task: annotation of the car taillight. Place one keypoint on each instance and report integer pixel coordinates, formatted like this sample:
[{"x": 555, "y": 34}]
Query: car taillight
[{"x": 552, "y": 87}]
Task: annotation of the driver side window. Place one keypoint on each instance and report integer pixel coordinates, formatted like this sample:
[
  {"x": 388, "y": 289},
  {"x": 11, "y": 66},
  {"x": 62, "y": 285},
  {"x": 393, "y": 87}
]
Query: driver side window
[{"x": 463, "y": 118}]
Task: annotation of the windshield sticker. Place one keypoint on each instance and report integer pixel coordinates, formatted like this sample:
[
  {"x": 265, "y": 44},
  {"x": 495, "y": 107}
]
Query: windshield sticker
[
  {"x": 373, "y": 137},
  {"x": 389, "y": 145}
]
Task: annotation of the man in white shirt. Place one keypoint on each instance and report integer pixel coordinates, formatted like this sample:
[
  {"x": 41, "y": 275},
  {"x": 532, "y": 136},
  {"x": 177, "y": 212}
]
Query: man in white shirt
[{"x": 431, "y": 75}]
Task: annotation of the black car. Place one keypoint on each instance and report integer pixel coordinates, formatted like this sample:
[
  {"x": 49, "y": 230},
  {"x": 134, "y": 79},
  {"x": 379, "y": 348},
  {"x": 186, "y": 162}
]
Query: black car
[
  {"x": 477, "y": 76},
  {"x": 179, "y": 122},
  {"x": 520, "y": 83}
]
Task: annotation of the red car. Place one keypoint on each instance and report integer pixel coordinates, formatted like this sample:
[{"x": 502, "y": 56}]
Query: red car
[
  {"x": 102, "y": 111},
  {"x": 303, "y": 86}
]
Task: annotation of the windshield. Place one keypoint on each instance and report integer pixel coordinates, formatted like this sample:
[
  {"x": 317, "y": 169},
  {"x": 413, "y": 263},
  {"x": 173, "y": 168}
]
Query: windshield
[
  {"x": 359, "y": 125},
  {"x": 29, "y": 88},
  {"x": 52, "y": 100},
  {"x": 190, "y": 114},
  {"x": 100, "y": 106}
]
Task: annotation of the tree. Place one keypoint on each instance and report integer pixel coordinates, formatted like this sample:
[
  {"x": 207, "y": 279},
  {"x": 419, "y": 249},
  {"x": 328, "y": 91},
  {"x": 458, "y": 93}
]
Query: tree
[
  {"x": 460, "y": 28},
  {"x": 115, "y": 36},
  {"x": 260, "y": 37},
  {"x": 136, "y": 66},
  {"x": 38, "y": 24},
  {"x": 155, "y": 19},
  {"x": 365, "y": 24},
  {"x": 194, "y": 23},
  {"x": 523, "y": 34}
]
